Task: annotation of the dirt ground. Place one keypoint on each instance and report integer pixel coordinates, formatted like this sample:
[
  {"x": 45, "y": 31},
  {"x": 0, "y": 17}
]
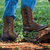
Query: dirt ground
[
  {"x": 24, "y": 46},
  {"x": 28, "y": 45}
]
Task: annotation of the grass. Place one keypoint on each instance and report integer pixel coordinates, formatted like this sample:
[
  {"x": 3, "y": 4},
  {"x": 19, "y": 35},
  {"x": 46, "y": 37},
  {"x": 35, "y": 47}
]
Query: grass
[{"x": 41, "y": 15}]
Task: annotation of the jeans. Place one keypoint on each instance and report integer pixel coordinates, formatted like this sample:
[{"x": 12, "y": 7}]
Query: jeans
[{"x": 11, "y": 6}]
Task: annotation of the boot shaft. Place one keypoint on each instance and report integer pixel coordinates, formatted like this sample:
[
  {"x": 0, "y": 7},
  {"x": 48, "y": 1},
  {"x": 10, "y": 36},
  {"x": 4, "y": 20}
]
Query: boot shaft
[
  {"x": 8, "y": 24},
  {"x": 27, "y": 16},
  {"x": 8, "y": 33}
]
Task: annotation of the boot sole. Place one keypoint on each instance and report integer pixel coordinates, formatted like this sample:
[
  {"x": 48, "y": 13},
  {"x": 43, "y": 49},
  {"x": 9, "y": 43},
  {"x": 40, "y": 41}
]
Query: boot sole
[
  {"x": 2, "y": 39},
  {"x": 28, "y": 31}
]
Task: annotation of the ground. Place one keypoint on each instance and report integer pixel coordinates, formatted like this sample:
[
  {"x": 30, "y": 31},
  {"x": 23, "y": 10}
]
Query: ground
[
  {"x": 41, "y": 15},
  {"x": 24, "y": 46}
]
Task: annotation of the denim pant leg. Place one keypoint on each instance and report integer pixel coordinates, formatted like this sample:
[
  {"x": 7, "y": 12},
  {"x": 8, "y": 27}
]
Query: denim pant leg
[
  {"x": 28, "y": 3},
  {"x": 10, "y": 8}
]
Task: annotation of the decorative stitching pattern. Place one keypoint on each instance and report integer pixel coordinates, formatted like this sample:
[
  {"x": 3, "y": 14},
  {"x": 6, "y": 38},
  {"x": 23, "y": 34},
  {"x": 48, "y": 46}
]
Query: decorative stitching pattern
[
  {"x": 8, "y": 25},
  {"x": 27, "y": 16}
]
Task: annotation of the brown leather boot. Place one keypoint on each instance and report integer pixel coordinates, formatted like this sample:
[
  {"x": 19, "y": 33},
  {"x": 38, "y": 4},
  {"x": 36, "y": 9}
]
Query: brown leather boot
[
  {"x": 28, "y": 23},
  {"x": 8, "y": 33}
]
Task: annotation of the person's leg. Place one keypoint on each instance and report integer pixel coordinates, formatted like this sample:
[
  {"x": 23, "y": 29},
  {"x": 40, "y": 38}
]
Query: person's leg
[
  {"x": 28, "y": 3},
  {"x": 10, "y": 8},
  {"x": 8, "y": 20},
  {"x": 26, "y": 12}
]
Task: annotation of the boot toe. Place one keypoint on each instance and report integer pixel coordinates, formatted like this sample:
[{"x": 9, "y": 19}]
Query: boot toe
[
  {"x": 43, "y": 27},
  {"x": 13, "y": 37}
]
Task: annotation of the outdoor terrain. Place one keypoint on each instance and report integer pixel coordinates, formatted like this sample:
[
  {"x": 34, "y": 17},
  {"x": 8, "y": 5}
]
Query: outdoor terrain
[{"x": 41, "y": 15}]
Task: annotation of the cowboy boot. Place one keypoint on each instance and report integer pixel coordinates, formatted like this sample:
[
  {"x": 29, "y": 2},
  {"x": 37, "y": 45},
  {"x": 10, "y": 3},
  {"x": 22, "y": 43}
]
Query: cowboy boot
[
  {"x": 28, "y": 23},
  {"x": 8, "y": 33},
  {"x": 49, "y": 0}
]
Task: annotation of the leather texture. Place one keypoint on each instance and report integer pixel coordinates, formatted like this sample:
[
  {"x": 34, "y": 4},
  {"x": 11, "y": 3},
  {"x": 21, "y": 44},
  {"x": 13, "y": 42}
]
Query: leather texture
[
  {"x": 8, "y": 32},
  {"x": 28, "y": 23}
]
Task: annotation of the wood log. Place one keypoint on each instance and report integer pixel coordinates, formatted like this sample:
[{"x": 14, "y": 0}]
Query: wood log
[
  {"x": 23, "y": 46},
  {"x": 43, "y": 35}
]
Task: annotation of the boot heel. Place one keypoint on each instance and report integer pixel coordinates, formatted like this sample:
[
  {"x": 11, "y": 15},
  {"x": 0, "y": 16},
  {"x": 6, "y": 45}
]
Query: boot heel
[
  {"x": 26, "y": 31},
  {"x": 2, "y": 39}
]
